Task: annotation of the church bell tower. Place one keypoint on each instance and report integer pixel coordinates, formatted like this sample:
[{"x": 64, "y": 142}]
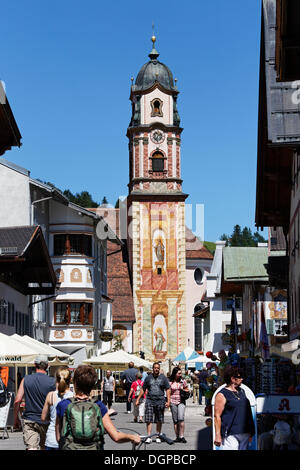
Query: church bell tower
[{"x": 156, "y": 213}]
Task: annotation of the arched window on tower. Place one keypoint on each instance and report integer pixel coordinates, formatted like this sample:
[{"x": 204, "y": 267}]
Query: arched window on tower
[
  {"x": 156, "y": 105},
  {"x": 158, "y": 161}
]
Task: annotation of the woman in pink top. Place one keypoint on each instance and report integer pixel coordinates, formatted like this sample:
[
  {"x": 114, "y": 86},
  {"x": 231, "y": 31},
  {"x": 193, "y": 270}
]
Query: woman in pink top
[
  {"x": 138, "y": 411},
  {"x": 177, "y": 406}
]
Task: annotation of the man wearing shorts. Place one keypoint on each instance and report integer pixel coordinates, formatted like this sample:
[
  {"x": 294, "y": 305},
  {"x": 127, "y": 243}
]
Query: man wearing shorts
[
  {"x": 34, "y": 388},
  {"x": 156, "y": 384}
]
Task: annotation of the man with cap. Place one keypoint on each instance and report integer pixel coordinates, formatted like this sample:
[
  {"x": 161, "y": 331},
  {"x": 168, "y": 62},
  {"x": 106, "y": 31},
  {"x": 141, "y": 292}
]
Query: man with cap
[{"x": 35, "y": 388}]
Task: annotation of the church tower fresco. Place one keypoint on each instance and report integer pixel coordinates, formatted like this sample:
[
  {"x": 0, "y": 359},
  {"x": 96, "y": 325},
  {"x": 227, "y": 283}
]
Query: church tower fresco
[{"x": 156, "y": 213}]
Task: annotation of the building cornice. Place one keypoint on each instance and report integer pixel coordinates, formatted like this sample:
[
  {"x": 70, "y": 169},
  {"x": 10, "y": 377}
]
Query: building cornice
[
  {"x": 148, "y": 197},
  {"x": 153, "y": 125},
  {"x": 151, "y": 89}
]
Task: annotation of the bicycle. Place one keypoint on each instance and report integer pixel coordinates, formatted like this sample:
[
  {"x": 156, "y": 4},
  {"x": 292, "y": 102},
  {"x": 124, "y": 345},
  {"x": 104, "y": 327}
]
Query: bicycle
[{"x": 162, "y": 437}]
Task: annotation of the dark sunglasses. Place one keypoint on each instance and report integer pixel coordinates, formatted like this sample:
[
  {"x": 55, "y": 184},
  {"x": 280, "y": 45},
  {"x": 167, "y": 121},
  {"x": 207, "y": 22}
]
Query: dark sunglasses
[{"x": 237, "y": 377}]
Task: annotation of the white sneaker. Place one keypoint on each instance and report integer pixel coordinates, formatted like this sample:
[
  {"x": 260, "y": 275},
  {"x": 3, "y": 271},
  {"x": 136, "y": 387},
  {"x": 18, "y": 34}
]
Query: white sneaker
[
  {"x": 158, "y": 440},
  {"x": 148, "y": 440}
]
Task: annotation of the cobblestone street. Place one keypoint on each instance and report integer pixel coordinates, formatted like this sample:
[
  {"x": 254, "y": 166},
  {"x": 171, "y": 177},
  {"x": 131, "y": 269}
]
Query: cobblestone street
[{"x": 197, "y": 433}]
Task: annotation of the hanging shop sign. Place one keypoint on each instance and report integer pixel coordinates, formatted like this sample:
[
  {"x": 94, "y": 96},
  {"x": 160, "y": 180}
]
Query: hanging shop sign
[{"x": 106, "y": 336}]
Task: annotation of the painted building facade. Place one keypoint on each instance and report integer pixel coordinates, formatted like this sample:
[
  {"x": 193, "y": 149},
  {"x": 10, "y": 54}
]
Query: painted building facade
[{"x": 156, "y": 214}]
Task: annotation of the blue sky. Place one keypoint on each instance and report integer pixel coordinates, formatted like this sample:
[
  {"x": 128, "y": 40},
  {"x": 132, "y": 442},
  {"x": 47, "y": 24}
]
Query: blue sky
[{"x": 67, "y": 67}]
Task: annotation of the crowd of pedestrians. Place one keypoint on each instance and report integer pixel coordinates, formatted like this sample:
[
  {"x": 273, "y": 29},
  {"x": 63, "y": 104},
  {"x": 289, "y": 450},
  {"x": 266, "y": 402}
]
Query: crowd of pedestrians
[
  {"x": 52, "y": 404},
  {"x": 49, "y": 423}
]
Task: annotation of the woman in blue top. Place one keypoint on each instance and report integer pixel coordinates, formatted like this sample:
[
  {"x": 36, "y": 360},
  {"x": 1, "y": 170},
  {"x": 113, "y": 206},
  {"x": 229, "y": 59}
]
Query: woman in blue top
[
  {"x": 63, "y": 380},
  {"x": 234, "y": 426},
  {"x": 84, "y": 379}
]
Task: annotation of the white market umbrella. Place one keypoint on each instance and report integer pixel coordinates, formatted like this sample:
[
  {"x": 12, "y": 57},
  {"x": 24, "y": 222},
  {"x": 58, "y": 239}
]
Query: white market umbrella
[
  {"x": 117, "y": 360},
  {"x": 13, "y": 352},
  {"x": 55, "y": 356}
]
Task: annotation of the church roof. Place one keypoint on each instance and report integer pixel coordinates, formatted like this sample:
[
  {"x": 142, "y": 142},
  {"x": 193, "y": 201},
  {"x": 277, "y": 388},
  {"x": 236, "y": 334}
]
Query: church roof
[
  {"x": 194, "y": 247},
  {"x": 154, "y": 71},
  {"x": 119, "y": 286}
]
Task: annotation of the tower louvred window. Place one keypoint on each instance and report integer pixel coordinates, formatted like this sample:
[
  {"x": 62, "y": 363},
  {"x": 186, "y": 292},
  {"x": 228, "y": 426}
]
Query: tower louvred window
[{"x": 158, "y": 162}]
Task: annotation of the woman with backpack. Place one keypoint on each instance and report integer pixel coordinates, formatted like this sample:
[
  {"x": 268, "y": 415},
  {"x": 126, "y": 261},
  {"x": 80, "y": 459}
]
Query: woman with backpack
[
  {"x": 81, "y": 421},
  {"x": 138, "y": 411},
  {"x": 63, "y": 380},
  {"x": 177, "y": 384}
]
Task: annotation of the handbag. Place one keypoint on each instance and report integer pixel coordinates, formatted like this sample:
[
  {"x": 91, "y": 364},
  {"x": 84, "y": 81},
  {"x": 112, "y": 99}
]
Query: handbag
[{"x": 184, "y": 395}]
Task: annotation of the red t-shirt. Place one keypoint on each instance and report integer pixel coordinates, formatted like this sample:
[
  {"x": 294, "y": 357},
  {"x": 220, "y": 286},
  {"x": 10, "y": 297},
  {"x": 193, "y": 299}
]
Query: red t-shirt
[{"x": 136, "y": 387}]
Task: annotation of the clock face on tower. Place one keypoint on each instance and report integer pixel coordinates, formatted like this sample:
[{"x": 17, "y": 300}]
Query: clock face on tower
[{"x": 157, "y": 136}]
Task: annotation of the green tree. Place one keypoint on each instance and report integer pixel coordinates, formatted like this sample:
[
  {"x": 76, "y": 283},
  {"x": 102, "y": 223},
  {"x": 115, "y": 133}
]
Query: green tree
[
  {"x": 236, "y": 238},
  {"x": 225, "y": 238},
  {"x": 70, "y": 196},
  {"x": 83, "y": 199},
  {"x": 247, "y": 237},
  {"x": 242, "y": 237},
  {"x": 259, "y": 238}
]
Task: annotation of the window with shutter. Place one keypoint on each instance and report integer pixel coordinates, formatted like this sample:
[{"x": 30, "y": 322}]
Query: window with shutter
[
  {"x": 158, "y": 162},
  {"x": 73, "y": 313},
  {"x": 198, "y": 334},
  {"x": 72, "y": 243}
]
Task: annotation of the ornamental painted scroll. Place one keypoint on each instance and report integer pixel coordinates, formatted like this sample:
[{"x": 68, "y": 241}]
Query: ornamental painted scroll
[
  {"x": 59, "y": 334},
  {"x": 76, "y": 334},
  {"x": 76, "y": 275}
]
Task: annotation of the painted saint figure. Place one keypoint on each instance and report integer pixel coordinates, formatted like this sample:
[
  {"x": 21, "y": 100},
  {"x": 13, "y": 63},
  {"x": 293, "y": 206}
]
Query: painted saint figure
[
  {"x": 160, "y": 250},
  {"x": 160, "y": 339}
]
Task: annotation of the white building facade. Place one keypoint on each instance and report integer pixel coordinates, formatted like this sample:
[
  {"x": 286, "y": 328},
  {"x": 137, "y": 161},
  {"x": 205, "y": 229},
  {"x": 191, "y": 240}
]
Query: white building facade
[{"x": 80, "y": 311}]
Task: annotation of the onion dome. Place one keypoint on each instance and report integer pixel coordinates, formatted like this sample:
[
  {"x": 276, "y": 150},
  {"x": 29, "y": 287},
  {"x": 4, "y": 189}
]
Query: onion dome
[{"x": 154, "y": 71}]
